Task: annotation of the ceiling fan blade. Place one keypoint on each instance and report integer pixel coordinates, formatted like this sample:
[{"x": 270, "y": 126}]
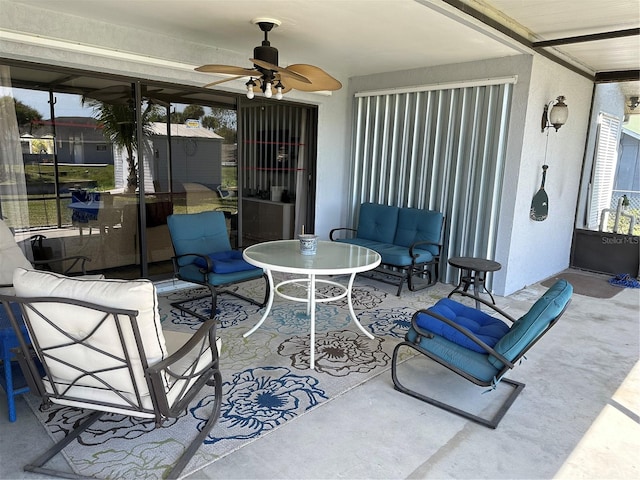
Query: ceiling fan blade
[
  {"x": 223, "y": 81},
  {"x": 320, "y": 80},
  {"x": 280, "y": 70},
  {"x": 228, "y": 70}
]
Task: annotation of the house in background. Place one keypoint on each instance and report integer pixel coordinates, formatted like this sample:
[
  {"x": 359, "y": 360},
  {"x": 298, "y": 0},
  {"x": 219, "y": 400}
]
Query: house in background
[
  {"x": 196, "y": 152},
  {"x": 78, "y": 140}
]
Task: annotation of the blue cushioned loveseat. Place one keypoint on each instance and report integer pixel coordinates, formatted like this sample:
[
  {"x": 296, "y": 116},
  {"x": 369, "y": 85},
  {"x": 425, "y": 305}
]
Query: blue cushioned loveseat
[{"x": 409, "y": 240}]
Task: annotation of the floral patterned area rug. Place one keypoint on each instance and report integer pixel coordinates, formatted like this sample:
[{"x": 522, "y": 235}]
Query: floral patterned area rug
[{"x": 266, "y": 377}]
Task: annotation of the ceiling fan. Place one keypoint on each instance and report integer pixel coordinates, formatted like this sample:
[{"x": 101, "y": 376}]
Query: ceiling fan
[{"x": 268, "y": 76}]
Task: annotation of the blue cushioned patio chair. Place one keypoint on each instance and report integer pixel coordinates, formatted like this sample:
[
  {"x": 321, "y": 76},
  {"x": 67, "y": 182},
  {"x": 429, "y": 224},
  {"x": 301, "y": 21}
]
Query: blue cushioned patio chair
[
  {"x": 477, "y": 346},
  {"x": 203, "y": 256}
]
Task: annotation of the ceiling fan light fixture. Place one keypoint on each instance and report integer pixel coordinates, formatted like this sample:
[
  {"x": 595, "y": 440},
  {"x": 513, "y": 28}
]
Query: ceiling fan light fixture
[
  {"x": 250, "y": 86},
  {"x": 268, "y": 92},
  {"x": 279, "y": 88}
]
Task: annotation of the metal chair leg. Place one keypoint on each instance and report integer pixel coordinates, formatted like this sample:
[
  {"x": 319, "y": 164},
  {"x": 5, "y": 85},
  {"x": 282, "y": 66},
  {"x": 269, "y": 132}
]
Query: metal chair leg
[
  {"x": 36, "y": 465},
  {"x": 202, "y": 435},
  {"x": 490, "y": 422}
]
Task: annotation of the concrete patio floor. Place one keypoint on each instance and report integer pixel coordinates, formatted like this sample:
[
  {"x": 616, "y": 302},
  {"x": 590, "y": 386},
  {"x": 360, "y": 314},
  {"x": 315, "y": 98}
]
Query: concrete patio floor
[{"x": 578, "y": 417}]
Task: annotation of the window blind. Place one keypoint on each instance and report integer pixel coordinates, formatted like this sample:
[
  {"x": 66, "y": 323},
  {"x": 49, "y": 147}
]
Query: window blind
[{"x": 439, "y": 148}]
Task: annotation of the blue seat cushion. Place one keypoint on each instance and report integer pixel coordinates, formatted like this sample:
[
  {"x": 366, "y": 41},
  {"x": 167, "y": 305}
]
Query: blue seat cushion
[
  {"x": 398, "y": 255},
  {"x": 392, "y": 254},
  {"x": 485, "y": 327},
  {"x": 229, "y": 261},
  {"x": 199, "y": 233}
]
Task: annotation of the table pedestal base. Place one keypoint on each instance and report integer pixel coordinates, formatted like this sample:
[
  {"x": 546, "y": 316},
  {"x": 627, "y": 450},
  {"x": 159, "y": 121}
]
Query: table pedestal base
[{"x": 310, "y": 299}]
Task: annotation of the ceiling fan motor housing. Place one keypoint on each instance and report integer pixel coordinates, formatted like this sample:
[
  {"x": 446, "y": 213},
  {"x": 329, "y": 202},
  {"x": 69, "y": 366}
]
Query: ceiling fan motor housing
[{"x": 266, "y": 53}]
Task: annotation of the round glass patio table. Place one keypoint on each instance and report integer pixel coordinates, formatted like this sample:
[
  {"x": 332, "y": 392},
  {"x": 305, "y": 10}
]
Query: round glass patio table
[{"x": 331, "y": 258}]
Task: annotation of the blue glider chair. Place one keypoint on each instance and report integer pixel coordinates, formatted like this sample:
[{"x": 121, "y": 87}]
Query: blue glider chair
[
  {"x": 203, "y": 256},
  {"x": 477, "y": 346}
]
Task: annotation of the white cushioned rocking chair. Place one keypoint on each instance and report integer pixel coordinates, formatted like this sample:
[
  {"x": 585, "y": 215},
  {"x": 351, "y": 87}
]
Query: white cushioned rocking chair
[{"x": 101, "y": 347}]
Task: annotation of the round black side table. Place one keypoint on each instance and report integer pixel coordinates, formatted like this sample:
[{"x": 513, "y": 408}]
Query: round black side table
[{"x": 473, "y": 271}]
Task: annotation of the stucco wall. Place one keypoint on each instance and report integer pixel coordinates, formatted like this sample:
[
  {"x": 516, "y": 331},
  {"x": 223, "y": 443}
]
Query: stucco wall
[{"x": 538, "y": 250}]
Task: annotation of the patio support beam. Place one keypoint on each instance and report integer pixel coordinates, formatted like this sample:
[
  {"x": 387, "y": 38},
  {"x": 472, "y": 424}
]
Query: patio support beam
[
  {"x": 592, "y": 37},
  {"x": 490, "y": 22}
]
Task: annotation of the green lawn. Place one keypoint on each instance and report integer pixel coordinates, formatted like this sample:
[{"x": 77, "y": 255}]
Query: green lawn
[{"x": 43, "y": 173}]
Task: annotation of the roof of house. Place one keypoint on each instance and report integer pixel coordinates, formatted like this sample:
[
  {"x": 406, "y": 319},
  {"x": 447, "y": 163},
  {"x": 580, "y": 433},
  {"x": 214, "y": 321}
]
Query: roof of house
[{"x": 192, "y": 130}]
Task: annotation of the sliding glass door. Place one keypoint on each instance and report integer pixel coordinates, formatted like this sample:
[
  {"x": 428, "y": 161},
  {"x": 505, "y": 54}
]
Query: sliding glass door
[{"x": 93, "y": 166}]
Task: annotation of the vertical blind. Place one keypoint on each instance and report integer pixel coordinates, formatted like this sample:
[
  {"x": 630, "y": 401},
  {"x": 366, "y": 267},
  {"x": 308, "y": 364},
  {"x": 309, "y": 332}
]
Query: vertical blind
[
  {"x": 272, "y": 146},
  {"x": 604, "y": 167},
  {"x": 275, "y": 141},
  {"x": 438, "y": 148}
]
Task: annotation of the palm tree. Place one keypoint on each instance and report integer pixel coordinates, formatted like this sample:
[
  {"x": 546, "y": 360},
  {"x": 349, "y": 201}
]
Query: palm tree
[{"x": 118, "y": 121}]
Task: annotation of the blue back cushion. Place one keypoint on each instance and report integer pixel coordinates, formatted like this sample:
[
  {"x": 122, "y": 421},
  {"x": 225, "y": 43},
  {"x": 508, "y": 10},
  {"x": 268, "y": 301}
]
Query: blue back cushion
[
  {"x": 202, "y": 233},
  {"x": 377, "y": 222},
  {"x": 528, "y": 327},
  {"x": 416, "y": 225},
  {"x": 485, "y": 327}
]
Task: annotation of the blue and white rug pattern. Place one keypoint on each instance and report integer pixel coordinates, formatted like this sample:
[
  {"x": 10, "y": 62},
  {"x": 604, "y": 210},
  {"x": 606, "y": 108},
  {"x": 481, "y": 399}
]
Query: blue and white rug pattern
[{"x": 266, "y": 377}]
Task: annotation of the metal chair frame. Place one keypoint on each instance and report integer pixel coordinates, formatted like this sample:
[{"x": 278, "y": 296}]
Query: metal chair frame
[
  {"x": 31, "y": 355},
  {"x": 397, "y": 275},
  {"x": 206, "y": 277},
  {"x": 517, "y": 387},
  {"x": 214, "y": 290},
  {"x": 11, "y": 377}
]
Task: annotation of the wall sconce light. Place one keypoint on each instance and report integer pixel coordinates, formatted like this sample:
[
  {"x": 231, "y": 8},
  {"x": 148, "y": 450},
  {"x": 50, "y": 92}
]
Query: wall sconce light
[
  {"x": 557, "y": 116},
  {"x": 633, "y": 103}
]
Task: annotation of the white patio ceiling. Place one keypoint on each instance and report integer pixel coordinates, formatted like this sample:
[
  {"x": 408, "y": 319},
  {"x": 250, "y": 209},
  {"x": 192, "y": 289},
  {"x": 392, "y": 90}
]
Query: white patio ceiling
[{"x": 359, "y": 37}]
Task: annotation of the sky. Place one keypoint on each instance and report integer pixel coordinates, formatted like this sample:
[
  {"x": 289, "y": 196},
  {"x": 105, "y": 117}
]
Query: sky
[{"x": 66, "y": 105}]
